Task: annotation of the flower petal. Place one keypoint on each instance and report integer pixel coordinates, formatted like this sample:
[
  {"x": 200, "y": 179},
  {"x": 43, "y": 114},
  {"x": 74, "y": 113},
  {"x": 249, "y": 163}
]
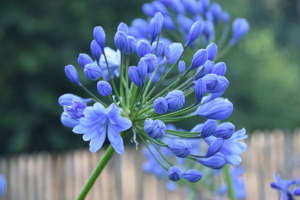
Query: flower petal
[{"x": 97, "y": 142}]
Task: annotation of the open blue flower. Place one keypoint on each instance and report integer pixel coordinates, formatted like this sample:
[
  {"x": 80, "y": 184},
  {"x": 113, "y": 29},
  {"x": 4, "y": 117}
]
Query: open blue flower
[{"x": 97, "y": 121}]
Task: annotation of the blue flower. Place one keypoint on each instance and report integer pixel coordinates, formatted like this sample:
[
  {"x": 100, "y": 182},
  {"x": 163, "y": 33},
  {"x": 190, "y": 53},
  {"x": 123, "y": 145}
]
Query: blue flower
[
  {"x": 224, "y": 130},
  {"x": 67, "y": 121},
  {"x": 97, "y": 121},
  {"x": 134, "y": 76},
  {"x": 212, "y": 51},
  {"x": 282, "y": 186},
  {"x": 113, "y": 59},
  {"x": 190, "y": 6},
  {"x": 75, "y": 110},
  {"x": 2, "y": 185},
  {"x": 219, "y": 69},
  {"x": 159, "y": 7},
  {"x": 195, "y": 32},
  {"x": 160, "y": 48},
  {"x": 217, "y": 161},
  {"x": 216, "y": 11}
]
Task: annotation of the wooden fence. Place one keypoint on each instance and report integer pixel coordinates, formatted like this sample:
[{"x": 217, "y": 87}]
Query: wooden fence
[{"x": 45, "y": 176}]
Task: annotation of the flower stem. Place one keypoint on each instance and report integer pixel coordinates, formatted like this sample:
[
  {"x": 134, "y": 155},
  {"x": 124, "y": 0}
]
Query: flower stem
[
  {"x": 97, "y": 171},
  {"x": 229, "y": 182},
  {"x": 92, "y": 95}
]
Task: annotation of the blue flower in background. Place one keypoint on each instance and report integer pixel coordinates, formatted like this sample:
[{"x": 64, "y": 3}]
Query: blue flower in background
[
  {"x": 98, "y": 121},
  {"x": 114, "y": 61},
  {"x": 2, "y": 185},
  {"x": 282, "y": 186}
]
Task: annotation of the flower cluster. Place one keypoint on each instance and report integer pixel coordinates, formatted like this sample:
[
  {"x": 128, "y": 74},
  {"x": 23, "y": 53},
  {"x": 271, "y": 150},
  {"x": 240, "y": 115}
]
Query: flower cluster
[
  {"x": 283, "y": 187},
  {"x": 137, "y": 104},
  {"x": 2, "y": 185}
]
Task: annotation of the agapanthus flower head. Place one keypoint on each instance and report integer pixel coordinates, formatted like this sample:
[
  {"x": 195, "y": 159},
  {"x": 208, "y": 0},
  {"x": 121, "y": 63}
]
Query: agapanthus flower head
[
  {"x": 123, "y": 27},
  {"x": 84, "y": 59},
  {"x": 174, "y": 173},
  {"x": 240, "y": 27},
  {"x": 99, "y": 36},
  {"x": 131, "y": 45},
  {"x": 148, "y": 9},
  {"x": 212, "y": 51},
  {"x": 200, "y": 57},
  {"x": 151, "y": 61},
  {"x": 96, "y": 51},
  {"x": 142, "y": 48},
  {"x": 192, "y": 175},
  {"x": 104, "y": 88},
  {"x": 92, "y": 71},
  {"x": 160, "y": 105},
  {"x": 223, "y": 84},
  {"x": 99, "y": 121},
  {"x": 72, "y": 74},
  {"x": 154, "y": 128},
  {"x": 181, "y": 148},
  {"x": 195, "y": 32},
  {"x": 175, "y": 100}
]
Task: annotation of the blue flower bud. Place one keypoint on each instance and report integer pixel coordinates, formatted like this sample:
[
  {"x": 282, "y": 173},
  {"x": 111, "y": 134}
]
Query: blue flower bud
[
  {"x": 200, "y": 57},
  {"x": 123, "y": 27},
  {"x": 214, "y": 147},
  {"x": 219, "y": 69},
  {"x": 176, "y": 51},
  {"x": 174, "y": 173},
  {"x": 209, "y": 16},
  {"x": 225, "y": 17},
  {"x": 206, "y": 69},
  {"x": 96, "y": 50},
  {"x": 155, "y": 28},
  {"x": 203, "y": 6},
  {"x": 223, "y": 84},
  {"x": 217, "y": 161},
  {"x": 190, "y": 6},
  {"x": 151, "y": 61},
  {"x": 212, "y": 51},
  {"x": 159, "y": 7},
  {"x": 142, "y": 48},
  {"x": 75, "y": 111},
  {"x": 148, "y": 9},
  {"x": 67, "y": 99},
  {"x": 240, "y": 27},
  {"x": 121, "y": 40},
  {"x": 72, "y": 74},
  {"x": 159, "y": 50},
  {"x": 216, "y": 11},
  {"x": 92, "y": 71},
  {"x": 195, "y": 32},
  {"x": 224, "y": 130},
  {"x": 167, "y": 52},
  {"x": 212, "y": 81},
  {"x": 99, "y": 36},
  {"x": 140, "y": 28},
  {"x": 198, "y": 18},
  {"x": 200, "y": 90},
  {"x": 181, "y": 67},
  {"x": 296, "y": 191},
  {"x": 133, "y": 74},
  {"x": 177, "y": 6},
  {"x": 185, "y": 23},
  {"x": 154, "y": 128},
  {"x": 84, "y": 59},
  {"x": 168, "y": 23},
  {"x": 175, "y": 100},
  {"x": 131, "y": 45},
  {"x": 181, "y": 148},
  {"x": 142, "y": 69},
  {"x": 160, "y": 105},
  {"x": 2, "y": 185},
  {"x": 217, "y": 109},
  {"x": 208, "y": 129},
  {"x": 104, "y": 88},
  {"x": 192, "y": 175},
  {"x": 160, "y": 16}
]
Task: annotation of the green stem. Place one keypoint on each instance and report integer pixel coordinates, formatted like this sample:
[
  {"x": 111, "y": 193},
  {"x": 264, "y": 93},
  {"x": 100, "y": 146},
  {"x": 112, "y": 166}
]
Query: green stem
[
  {"x": 92, "y": 95},
  {"x": 121, "y": 81},
  {"x": 229, "y": 182},
  {"x": 223, "y": 36},
  {"x": 126, "y": 85},
  {"x": 223, "y": 52},
  {"x": 97, "y": 171}
]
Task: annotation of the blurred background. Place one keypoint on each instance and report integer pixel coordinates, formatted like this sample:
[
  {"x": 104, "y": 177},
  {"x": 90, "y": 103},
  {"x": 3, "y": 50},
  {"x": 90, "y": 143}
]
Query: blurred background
[{"x": 38, "y": 38}]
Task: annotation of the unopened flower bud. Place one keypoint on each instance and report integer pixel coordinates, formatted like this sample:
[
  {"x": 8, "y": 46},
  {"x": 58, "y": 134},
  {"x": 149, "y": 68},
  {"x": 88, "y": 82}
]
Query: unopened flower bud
[
  {"x": 160, "y": 105},
  {"x": 192, "y": 175},
  {"x": 96, "y": 50},
  {"x": 181, "y": 148},
  {"x": 159, "y": 7},
  {"x": 224, "y": 130},
  {"x": 190, "y": 6},
  {"x": 104, "y": 88},
  {"x": 67, "y": 99},
  {"x": 160, "y": 48},
  {"x": 99, "y": 36},
  {"x": 240, "y": 27},
  {"x": 123, "y": 27},
  {"x": 206, "y": 69},
  {"x": 195, "y": 32},
  {"x": 167, "y": 52},
  {"x": 200, "y": 90},
  {"x": 181, "y": 67},
  {"x": 92, "y": 71},
  {"x": 133, "y": 74},
  {"x": 168, "y": 23},
  {"x": 148, "y": 9},
  {"x": 185, "y": 23},
  {"x": 208, "y": 129},
  {"x": 72, "y": 74},
  {"x": 174, "y": 173},
  {"x": 214, "y": 147},
  {"x": 216, "y": 11},
  {"x": 212, "y": 51},
  {"x": 160, "y": 16},
  {"x": 212, "y": 81},
  {"x": 217, "y": 161},
  {"x": 199, "y": 59},
  {"x": 154, "y": 128},
  {"x": 151, "y": 61},
  {"x": 219, "y": 69},
  {"x": 142, "y": 48},
  {"x": 225, "y": 17},
  {"x": 176, "y": 51},
  {"x": 297, "y": 191},
  {"x": 121, "y": 40},
  {"x": 223, "y": 84},
  {"x": 84, "y": 59},
  {"x": 155, "y": 28},
  {"x": 131, "y": 45},
  {"x": 175, "y": 100}
]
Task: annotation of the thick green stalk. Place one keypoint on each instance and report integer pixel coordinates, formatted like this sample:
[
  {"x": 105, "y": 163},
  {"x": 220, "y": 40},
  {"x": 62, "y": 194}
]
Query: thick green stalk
[
  {"x": 97, "y": 171},
  {"x": 229, "y": 182}
]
